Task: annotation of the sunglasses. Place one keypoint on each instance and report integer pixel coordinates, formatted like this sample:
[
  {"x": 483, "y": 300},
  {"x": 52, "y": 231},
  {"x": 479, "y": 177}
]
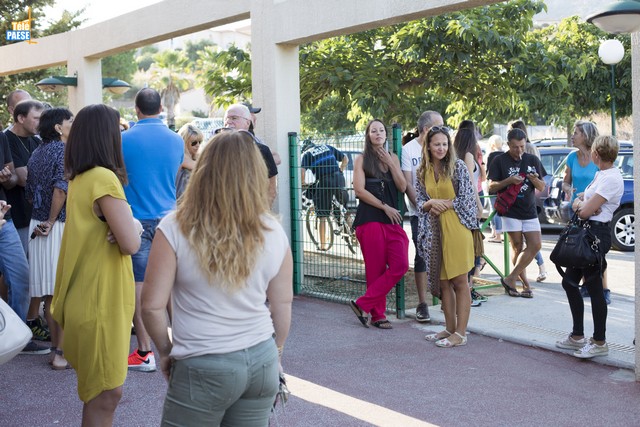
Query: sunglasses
[
  {"x": 196, "y": 142},
  {"x": 438, "y": 129}
]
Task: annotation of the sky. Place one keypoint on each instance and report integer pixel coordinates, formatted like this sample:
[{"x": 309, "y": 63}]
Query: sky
[{"x": 97, "y": 10}]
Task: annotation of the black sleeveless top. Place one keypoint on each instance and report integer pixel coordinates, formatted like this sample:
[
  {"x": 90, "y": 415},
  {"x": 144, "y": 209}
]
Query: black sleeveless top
[{"x": 385, "y": 190}]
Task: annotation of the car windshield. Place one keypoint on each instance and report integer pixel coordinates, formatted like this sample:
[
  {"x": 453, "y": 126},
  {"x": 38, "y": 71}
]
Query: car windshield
[{"x": 624, "y": 162}]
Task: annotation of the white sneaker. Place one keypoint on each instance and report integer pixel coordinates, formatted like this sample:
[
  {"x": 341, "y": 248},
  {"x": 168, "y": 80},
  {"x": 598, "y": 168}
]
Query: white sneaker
[
  {"x": 592, "y": 350},
  {"x": 570, "y": 344}
]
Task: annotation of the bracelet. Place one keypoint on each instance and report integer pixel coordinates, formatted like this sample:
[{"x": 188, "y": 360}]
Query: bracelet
[{"x": 280, "y": 350}]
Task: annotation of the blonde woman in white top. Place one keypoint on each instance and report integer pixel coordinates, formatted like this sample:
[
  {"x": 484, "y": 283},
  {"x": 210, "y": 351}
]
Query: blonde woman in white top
[
  {"x": 595, "y": 206},
  {"x": 217, "y": 259}
]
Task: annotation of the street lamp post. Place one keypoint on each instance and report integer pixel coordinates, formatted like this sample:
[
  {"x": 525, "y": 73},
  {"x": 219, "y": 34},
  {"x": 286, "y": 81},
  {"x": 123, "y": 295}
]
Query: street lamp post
[
  {"x": 617, "y": 18},
  {"x": 611, "y": 52}
]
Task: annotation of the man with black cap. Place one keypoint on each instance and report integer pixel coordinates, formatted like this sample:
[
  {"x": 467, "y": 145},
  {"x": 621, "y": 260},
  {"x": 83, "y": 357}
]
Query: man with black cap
[{"x": 255, "y": 110}]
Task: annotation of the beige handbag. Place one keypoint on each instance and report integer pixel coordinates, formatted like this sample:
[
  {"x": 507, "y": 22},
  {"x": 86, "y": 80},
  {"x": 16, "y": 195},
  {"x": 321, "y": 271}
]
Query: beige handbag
[{"x": 14, "y": 333}]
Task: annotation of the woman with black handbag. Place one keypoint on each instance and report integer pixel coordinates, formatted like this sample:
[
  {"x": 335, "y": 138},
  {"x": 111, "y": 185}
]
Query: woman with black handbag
[{"x": 595, "y": 208}]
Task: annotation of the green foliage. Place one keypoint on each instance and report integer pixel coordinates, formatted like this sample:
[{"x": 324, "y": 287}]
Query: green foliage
[
  {"x": 487, "y": 64},
  {"x": 121, "y": 66},
  {"x": 145, "y": 57},
  {"x": 193, "y": 49},
  {"x": 17, "y": 11},
  {"x": 199, "y": 114},
  {"x": 565, "y": 78},
  {"x": 169, "y": 78},
  {"x": 225, "y": 75}
]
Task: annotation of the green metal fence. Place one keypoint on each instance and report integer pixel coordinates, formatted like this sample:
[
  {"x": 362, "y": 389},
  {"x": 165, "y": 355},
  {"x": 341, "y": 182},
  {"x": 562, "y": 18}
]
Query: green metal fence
[{"x": 331, "y": 267}]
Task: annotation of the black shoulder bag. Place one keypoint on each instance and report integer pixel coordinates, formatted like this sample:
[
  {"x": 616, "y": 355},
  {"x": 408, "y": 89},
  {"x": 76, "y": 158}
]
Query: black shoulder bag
[{"x": 577, "y": 247}]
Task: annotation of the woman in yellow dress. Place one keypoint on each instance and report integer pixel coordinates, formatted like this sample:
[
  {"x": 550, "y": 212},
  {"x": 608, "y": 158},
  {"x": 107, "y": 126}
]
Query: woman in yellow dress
[
  {"x": 447, "y": 215},
  {"x": 94, "y": 294}
]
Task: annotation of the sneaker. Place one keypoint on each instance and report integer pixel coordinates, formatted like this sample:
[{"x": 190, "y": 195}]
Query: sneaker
[
  {"x": 607, "y": 296},
  {"x": 584, "y": 292},
  {"x": 541, "y": 277},
  {"x": 33, "y": 347},
  {"x": 476, "y": 296},
  {"x": 475, "y": 303},
  {"x": 422, "y": 313},
  {"x": 39, "y": 329},
  {"x": 139, "y": 363},
  {"x": 570, "y": 344},
  {"x": 592, "y": 350}
]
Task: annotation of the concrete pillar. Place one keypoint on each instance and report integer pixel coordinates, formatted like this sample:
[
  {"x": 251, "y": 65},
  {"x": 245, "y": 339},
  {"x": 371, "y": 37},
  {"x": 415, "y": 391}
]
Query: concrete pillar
[
  {"x": 276, "y": 88},
  {"x": 635, "y": 89},
  {"x": 89, "y": 89}
]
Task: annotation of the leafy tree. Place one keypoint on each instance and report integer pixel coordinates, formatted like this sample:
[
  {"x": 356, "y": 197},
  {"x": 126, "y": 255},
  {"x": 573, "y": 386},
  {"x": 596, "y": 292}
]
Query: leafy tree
[
  {"x": 168, "y": 77},
  {"x": 487, "y": 64},
  {"x": 193, "y": 49},
  {"x": 564, "y": 77},
  {"x": 145, "y": 57},
  {"x": 11, "y": 11},
  {"x": 225, "y": 75},
  {"x": 121, "y": 65}
]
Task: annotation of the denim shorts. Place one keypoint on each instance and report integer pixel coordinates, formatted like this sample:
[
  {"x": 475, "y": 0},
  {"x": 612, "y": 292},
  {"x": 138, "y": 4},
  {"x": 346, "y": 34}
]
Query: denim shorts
[
  {"x": 141, "y": 257},
  {"x": 523, "y": 225}
]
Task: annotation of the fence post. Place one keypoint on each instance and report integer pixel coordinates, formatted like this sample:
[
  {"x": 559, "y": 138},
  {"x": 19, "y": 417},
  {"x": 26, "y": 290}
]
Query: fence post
[
  {"x": 296, "y": 228},
  {"x": 397, "y": 148}
]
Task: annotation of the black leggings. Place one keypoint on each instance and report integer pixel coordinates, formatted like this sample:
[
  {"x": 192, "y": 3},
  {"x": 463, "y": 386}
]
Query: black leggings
[{"x": 593, "y": 282}]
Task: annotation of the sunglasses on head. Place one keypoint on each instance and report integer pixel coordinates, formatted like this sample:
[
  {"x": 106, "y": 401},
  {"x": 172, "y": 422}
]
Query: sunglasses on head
[{"x": 437, "y": 129}]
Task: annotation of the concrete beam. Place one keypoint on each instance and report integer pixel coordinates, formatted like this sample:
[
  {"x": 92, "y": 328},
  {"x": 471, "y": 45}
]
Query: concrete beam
[
  {"x": 161, "y": 21},
  {"x": 301, "y": 22}
]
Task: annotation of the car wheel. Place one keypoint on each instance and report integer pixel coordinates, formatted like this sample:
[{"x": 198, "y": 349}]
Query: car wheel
[{"x": 623, "y": 235}]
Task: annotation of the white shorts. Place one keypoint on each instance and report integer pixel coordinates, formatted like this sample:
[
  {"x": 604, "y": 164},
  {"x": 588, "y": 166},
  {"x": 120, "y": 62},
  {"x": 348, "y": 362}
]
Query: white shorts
[{"x": 523, "y": 225}]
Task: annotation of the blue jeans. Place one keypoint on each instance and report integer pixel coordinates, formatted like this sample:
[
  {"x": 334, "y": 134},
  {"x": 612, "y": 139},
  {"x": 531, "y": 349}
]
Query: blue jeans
[
  {"x": 539, "y": 259},
  {"x": 14, "y": 267},
  {"x": 141, "y": 257},
  {"x": 232, "y": 389}
]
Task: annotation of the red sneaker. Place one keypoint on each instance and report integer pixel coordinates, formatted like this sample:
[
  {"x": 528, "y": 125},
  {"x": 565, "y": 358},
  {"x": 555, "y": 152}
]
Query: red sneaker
[{"x": 139, "y": 363}]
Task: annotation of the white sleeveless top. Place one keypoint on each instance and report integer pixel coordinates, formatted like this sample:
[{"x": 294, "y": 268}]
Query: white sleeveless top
[{"x": 207, "y": 320}]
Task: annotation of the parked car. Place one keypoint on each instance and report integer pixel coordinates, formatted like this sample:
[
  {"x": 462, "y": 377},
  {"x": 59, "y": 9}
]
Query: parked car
[
  {"x": 563, "y": 142},
  {"x": 552, "y": 142},
  {"x": 551, "y": 158},
  {"x": 623, "y": 223}
]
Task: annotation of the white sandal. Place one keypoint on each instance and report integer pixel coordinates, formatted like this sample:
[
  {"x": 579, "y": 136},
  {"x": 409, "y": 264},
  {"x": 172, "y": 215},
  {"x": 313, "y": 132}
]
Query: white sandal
[
  {"x": 446, "y": 343},
  {"x": 437, "y": 337}
]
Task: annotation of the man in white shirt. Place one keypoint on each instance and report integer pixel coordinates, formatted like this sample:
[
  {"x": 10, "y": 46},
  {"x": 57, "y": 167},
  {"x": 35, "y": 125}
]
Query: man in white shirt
[{"x": 411, "y": 157}]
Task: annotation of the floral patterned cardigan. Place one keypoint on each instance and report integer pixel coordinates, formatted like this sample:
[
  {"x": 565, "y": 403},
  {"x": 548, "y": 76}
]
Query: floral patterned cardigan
[{"x": 429, "y": 230}]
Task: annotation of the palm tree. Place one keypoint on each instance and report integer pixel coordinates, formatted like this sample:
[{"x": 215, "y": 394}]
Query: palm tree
[{"x": 169, "y": 78}]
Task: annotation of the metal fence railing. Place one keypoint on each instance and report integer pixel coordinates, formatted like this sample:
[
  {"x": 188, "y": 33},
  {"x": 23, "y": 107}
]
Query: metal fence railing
[{"x": 327, "y": 258}]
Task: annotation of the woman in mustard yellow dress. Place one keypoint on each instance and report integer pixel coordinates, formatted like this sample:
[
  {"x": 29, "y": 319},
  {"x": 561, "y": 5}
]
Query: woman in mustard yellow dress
[
  {"x": 447, "y": 215},
  {"x": 94, "y": 294}
]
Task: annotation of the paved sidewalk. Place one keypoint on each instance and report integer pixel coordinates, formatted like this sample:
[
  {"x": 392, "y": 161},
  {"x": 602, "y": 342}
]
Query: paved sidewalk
[
  {"x": 342, "y": 374},
  {"x": 545, "y": 319}
]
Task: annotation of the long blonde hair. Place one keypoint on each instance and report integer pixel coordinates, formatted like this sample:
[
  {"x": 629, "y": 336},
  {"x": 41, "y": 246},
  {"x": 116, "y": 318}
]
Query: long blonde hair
[
  {"x": 222, "y": 210},
  {"x": 448, "y": 162}
]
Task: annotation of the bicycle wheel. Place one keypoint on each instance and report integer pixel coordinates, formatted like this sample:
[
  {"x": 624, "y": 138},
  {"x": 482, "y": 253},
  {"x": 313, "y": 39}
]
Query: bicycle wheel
[
  {"x": 349, "y": 234},
  {"x": 313, "y": 228}
]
